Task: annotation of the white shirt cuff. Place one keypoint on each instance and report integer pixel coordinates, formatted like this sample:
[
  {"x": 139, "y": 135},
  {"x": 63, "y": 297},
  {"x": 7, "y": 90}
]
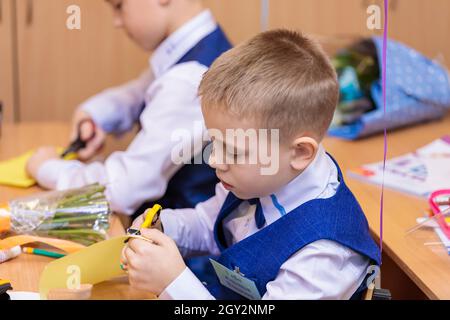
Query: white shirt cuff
[
  {"x": 49, "y": 173},
  {"x": 169, "y": 223},
  {"x": 186, "y": 287}
]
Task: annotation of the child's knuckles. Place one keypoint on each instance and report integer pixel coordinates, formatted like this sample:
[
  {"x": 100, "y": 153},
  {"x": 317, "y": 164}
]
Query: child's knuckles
[
  {"x": 131, "y": 263},
  {"x": 144, "y": 250},
  {"x": 133, "y": 244},
  {"x": 147, "y": 233},
  {"x": 168, "y": 242},
  {"x": 156, "y": 235},
  {"x": 171, "y": 242},
  {"x": 139, "y": 249}
]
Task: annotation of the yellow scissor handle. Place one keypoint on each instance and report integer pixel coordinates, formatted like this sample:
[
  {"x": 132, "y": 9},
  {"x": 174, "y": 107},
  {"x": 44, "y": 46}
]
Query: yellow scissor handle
[{"x": 150, "y": 215}]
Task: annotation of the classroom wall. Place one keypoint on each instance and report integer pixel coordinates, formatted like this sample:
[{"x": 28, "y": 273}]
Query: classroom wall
[
  {"x": 421, "y": 24},
  {"x": 54, "y": 68},
  {"x": 6, "y": 62},
  {"x": 241, "y": 19},
  {"x": 47, "y": 70}
]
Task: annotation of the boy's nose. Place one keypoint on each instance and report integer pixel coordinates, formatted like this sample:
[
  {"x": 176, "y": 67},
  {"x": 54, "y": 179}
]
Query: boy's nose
[{"x": 217, "y": 164}]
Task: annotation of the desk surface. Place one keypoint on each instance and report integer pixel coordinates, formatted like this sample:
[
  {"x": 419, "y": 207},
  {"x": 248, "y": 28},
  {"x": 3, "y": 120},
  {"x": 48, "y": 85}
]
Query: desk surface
[
  {"x": 24, "y": 271},
  {"x": 428, "y": 267}
]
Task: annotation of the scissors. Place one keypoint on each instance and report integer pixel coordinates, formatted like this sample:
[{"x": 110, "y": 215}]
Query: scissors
[
  {"x": 151, "y": 218},
  {"x": 79, "y": 143}
]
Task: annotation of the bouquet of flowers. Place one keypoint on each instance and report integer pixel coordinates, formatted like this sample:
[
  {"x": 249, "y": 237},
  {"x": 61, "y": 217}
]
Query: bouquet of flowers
[{"x": 80, "y": 215}]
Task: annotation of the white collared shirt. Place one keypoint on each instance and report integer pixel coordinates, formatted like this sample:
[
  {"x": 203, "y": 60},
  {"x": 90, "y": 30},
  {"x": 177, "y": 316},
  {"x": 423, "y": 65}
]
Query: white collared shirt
[
  {"x": 321, "y": 270},
  {"x": 169, "y": 91}
]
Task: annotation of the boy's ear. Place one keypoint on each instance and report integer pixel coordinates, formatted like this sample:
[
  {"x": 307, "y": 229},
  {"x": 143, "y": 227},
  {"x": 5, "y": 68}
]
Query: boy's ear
[{"x": 304, "y": 150}]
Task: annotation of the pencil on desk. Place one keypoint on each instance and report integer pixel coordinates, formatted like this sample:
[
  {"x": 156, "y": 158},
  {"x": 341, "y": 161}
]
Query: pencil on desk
[{"x": 41, "y": 252}]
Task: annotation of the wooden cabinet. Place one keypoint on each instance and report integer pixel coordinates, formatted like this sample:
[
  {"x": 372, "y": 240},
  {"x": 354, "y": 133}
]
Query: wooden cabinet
[
  {"x": 423, "y": 25},
  {"x": 6, "y": 60},
  {"x": 240, "y": 19},
  {"x": 335, "y": 23},
  {"x": 322, "y": 17},
  {"x": 46, "y": 70},
  {"x": 58, "y": 68}
]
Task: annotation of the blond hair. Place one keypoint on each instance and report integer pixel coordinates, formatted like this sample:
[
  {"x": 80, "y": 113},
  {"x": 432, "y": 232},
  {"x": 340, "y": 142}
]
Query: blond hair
[{"x": 281, "y": 78}]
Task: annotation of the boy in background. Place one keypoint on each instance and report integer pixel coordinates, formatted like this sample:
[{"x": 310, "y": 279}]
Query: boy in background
[{"x": 185, "y": 40}]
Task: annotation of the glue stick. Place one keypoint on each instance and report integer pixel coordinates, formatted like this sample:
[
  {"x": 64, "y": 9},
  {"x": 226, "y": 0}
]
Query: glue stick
[{"x": 9, "y": 254}]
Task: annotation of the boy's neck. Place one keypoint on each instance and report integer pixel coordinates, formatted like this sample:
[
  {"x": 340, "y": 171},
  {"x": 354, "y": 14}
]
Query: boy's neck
[{"x": 183, "y": 14}]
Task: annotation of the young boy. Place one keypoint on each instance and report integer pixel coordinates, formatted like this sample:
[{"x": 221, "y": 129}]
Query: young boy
[
  {"x": 294, "y": 233},
  {"x": 185, "y": 40}
]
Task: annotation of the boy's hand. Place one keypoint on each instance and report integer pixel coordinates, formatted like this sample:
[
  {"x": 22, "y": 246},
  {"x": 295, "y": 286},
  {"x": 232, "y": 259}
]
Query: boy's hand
[
  {"x": 152, "y": 266},
  {"x": 86, "y": 132},
  {"x": 136, "y": 225},
  {"x": 38, "y": 158}
]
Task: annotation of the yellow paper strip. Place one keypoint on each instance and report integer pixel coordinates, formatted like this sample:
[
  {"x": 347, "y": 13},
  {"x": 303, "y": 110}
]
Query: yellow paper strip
[
  {"x": 13, "y": 173},
  {"x": 64, "y": 245}
]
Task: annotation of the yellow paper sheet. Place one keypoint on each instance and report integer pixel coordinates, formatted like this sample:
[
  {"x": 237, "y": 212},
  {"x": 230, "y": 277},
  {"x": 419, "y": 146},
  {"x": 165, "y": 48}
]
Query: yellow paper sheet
[
  {"x": 64, "y": 245},
  {"x": 94, "y": 264},
  {"x": 13, "y": 173}
]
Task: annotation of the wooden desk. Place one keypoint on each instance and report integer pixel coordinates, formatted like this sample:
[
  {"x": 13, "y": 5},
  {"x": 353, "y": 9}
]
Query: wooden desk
[
  {"x": 427, "y": 267},
  {"x": 24, "y": 271}
]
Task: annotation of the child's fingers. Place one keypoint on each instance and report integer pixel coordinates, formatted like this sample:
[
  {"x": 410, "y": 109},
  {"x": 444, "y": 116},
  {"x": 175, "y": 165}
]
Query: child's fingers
[
  {"x": 78, "y": 116},
  {"x": 155, "y": 235},
  {"x": 123, "y": 258},
  {"x": 138, "y": 222},
  {"x": 136, "y": 245},
  {"x": 87, "y": 130},
  {"x": 88, "y": 152},
  {"x": 92, "y": 147},
  {"x": 38, "y": 158},
  {"x": 129, "y": 255}
]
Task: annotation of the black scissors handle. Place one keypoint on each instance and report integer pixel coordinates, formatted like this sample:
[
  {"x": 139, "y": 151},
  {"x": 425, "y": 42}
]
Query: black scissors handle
[{"x": 79, "y": 143}]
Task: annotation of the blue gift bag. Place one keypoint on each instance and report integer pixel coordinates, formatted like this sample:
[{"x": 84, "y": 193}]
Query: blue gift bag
[{"x": 418, "y": 90}]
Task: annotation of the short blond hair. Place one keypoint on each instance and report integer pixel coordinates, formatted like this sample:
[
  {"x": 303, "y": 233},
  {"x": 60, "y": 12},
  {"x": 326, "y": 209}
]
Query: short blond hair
[{"x": 279, "y": 77}]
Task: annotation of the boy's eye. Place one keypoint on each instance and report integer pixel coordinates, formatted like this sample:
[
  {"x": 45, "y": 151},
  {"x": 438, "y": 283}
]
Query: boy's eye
[{"x": 117, "y": 5}]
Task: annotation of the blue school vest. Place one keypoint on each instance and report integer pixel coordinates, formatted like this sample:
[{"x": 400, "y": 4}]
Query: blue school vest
[
  {"x": 194, "y": 183},
  {"x": 260, "y": 256}
]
